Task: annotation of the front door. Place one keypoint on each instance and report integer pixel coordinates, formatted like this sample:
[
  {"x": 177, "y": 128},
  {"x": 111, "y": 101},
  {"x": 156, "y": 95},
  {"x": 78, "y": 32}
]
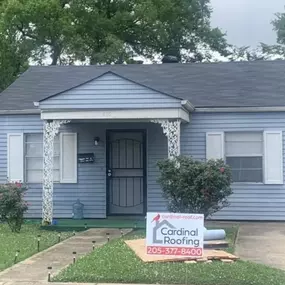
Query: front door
[{"x": 126, "y": 172}]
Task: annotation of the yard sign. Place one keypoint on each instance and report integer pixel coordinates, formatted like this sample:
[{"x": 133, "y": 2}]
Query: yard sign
[{"x": 175, "y": 234}]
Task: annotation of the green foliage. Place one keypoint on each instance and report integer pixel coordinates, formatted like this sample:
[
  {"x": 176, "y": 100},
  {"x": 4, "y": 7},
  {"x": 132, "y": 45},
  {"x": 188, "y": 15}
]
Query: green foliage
[
  {"x": 12, "y": 205},
  {"x": 45, "y": 24},
  {"x": 111, "y": 31},
  {"x": 192, "y": 186},
  {"x": 278, "y": 50},
  {"x": 13, "y": 57}
]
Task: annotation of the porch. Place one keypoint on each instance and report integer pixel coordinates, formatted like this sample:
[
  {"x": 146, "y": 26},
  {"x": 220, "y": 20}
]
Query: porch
[
  {"x": 121, "y": 179},
  {"x": 128, "y": 127}
]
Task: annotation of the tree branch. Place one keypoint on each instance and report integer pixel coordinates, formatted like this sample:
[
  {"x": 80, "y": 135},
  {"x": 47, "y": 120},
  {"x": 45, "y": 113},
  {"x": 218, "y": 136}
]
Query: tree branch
[{"x": 26, "y": 34}]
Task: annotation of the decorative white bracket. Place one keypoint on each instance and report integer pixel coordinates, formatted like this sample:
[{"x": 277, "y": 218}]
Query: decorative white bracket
[
  {"x": 51, "y": 129},
  {"x": 172, "y": 131}
]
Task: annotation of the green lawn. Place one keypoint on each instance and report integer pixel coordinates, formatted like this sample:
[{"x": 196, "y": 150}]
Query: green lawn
[
  {"x": 115, "y": 262},
  {"x": 25, "y": 242}
]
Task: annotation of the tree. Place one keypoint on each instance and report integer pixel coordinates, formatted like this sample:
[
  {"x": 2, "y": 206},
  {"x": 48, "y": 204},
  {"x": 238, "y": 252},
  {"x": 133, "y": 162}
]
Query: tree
[
  {"x": 277, "y": 51},
  {"x": 116, "y": 31},
  {"x": 13, "y": 58},
  {"x": 112, "y": 31},
  {"x": 45, "y": 24},
  {"x": 192, "y": 186}
]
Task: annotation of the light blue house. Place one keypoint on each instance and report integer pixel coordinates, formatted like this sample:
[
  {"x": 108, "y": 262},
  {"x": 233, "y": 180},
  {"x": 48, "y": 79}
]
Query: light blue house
[{"x": 96, "y": 133}]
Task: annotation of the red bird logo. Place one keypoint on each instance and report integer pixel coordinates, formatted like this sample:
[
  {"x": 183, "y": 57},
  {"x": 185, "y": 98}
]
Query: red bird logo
[{"x": 156, "y": 218}]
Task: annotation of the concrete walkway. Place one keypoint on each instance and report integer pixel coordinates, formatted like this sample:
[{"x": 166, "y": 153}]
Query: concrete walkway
[
  {"x": 262, "y": 243},
  {"x": 34, "y": 269}
]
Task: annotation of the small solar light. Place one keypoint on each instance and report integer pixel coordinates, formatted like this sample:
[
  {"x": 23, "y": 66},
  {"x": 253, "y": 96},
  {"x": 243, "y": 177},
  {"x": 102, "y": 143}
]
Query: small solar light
[
  {"x": 59, "y": 237},
  {"x": 74, "y": 233},
  {"x": 121, "y": 232},
  {"x": 93, "y": 244},
  {"x": 39, "y": 240},
  {"x": 108, "y": 237},
  {"x": 85, "y": 225},
  {"x": 49, "y": 273},
  {"x": 16, "y": 255},
  {"x": 74, "y": 256}
]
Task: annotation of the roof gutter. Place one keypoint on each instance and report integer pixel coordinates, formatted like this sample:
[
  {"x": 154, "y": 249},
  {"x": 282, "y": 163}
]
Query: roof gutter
[
  {"x": 240, "y": 109},
  {"x": 19, "y": 112},
  {"x": 187, "y": 105}
]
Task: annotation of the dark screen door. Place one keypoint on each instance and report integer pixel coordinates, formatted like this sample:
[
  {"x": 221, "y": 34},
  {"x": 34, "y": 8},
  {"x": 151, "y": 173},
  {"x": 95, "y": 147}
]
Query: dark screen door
[{"x": 126, "y": 172}]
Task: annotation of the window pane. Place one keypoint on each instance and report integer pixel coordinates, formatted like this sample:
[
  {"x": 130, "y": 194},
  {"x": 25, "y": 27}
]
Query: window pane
[
  {"x": 56, "y": 149},
  {"x": 244, "y": 143},
  {"x": 34, "y": 138},
  {"x": 247, "y": 175},
  {"x": 34, "y": 163},
  {"x": 244, "y": 148},
  {"x": 56, "y": 162},
  {"x": 246, "y": 169},
  {"x": 251, "y": 162},
  {"x": 34, "y": 176},
  {"x": 34, "y": 149},
  {"x": 56, "y": 176},
  {"x": 244, "y": 136}
]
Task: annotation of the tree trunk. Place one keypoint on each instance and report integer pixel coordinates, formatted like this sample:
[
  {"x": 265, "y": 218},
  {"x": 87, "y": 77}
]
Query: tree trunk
[{"x": 56, "y": 52}]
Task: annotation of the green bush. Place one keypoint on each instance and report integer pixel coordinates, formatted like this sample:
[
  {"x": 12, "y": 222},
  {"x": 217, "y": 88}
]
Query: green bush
[
  {"x": 12, "y": 205},
  {"x": 192, "y": 186}
]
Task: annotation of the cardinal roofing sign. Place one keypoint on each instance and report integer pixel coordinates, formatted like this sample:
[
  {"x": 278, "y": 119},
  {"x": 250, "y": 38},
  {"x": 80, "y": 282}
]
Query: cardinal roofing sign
[{"x": 175, "y": 234}]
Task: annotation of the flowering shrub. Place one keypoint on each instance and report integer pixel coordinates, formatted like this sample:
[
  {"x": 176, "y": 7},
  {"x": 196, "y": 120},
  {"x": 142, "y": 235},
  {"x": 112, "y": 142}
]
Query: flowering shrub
[
  {"x": 192, "y": 186},
  {"x": 12, "y": 205}
]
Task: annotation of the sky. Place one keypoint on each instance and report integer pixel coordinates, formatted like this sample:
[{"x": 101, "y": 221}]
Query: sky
[{"x": 246, "y": 22}]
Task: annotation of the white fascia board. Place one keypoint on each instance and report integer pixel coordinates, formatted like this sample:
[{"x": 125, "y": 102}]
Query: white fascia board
[{"x": 149, "y": 114}]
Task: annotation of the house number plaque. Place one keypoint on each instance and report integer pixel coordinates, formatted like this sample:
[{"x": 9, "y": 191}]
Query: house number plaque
[{"x": 86, "y": 158}]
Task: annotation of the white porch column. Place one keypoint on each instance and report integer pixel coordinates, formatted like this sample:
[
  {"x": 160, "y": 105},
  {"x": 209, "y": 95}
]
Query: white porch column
[
  {"x": 51, "y": 129},
  {"x": 172, "y": 131}
]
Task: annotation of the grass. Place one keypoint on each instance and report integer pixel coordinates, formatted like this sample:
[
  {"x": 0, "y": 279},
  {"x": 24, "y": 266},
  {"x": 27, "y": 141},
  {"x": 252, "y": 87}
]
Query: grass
[
  {"x": 25, "y": 242},
  {"x": 94, "y": 223},
  {"x": 115, "y": 262}
]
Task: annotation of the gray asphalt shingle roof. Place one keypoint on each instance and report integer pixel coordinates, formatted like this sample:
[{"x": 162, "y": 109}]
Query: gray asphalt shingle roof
[{"x": 232, "y": 84}]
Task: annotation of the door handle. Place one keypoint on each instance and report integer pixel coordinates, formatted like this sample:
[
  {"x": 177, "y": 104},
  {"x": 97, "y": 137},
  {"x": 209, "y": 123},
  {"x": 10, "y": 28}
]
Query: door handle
[{"x": 109, "y": 174}]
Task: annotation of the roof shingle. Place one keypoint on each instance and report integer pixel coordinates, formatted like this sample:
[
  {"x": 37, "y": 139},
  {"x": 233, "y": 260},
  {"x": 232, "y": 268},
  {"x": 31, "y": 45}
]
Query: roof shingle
[{"x": 232, "y": 84}]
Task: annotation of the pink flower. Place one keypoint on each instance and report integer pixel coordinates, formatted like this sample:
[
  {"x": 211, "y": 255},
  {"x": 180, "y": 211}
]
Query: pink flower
[{"x": 222, "y": 169}]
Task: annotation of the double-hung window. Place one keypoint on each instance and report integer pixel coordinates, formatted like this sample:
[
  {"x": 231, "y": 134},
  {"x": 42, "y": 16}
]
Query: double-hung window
[
  {"x": 33, "y": 152},
  {"x": 244, "y": 154},
  {"x": 252, "y": 156},
  {"x": 25, "y": 157}
]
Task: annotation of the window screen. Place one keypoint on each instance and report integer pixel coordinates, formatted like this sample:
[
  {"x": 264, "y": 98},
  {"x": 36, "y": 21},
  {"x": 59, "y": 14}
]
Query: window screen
[{"x": 244, "y": 154}]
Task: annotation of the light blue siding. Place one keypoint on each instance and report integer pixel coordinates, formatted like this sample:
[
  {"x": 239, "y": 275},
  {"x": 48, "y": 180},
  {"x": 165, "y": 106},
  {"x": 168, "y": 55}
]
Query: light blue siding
[
  {"x": 250, "y": 201},
  {"x": 110, "y": 91},
  {"x": 91, "y": 186}
]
